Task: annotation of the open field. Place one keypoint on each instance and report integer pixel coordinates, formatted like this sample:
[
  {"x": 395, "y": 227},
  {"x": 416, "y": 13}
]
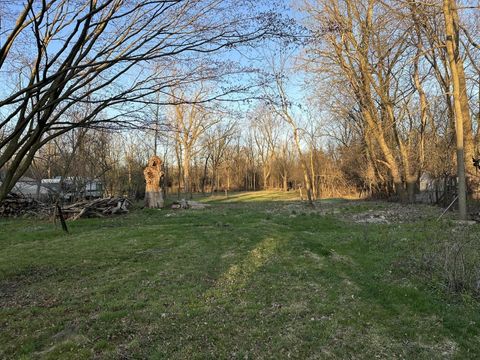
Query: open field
[{"x": 257, "y": 275}]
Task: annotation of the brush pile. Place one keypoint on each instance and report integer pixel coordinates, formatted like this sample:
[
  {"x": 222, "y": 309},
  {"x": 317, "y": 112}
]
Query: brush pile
[
  {"x": 96, "y": 208},
  {"x": 15, "y": 205}
]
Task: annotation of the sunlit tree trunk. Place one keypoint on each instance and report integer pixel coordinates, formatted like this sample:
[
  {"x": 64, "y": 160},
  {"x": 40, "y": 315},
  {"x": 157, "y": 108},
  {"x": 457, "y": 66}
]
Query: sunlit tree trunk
[
  {"x": 449, "y": 8},
  {"x": 153, "y": 174}
]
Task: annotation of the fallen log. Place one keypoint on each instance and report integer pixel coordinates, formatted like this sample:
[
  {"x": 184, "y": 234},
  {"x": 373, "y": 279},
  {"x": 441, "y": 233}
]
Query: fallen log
[{"x": 188, "y": 204}]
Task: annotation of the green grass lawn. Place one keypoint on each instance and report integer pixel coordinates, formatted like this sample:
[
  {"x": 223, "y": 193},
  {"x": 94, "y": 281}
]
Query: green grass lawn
[{"x": 251, "y": 277}]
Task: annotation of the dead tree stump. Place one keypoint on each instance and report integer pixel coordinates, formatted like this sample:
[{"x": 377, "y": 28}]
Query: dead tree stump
[{"x": 153, "y": 193}]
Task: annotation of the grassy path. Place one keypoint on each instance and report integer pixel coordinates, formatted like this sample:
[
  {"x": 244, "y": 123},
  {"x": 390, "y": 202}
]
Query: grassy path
[{"x": 246, "y": 278}]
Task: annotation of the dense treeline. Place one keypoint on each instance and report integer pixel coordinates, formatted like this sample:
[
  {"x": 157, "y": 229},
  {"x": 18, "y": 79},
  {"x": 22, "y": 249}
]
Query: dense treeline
[
  {"x": 224, "y": 159},
  {"x": 394, "y": 58}
]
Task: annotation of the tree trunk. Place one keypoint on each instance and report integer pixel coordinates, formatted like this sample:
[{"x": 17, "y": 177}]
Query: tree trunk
[
  {"x": 411, "y": 186},
  {"x": 178, "y": 153},
  {"x": 186, "y": 173},
  {"x": 449, "y": 6},
  {"x": 153, "y": 193},
  {"x": 204, "y": 177},
  {"x": 387, "y": 153},
  {"x": 313, "y": 175},
  {"x": 306, "y": 175},
  {"x": 266, "y": 177},
  {"x": 468, "y": 140}
]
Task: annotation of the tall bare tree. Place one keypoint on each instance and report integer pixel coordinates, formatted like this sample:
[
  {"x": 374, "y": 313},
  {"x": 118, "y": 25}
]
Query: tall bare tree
[
  {"x": 189, "y": 123},
  {"x": 265, "y": 131},
  {"x": 459, "y": 93}
]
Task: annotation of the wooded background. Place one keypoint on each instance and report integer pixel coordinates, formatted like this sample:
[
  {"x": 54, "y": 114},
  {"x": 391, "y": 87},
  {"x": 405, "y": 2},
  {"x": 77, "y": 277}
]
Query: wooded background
[{"x": 337, "y": 97}]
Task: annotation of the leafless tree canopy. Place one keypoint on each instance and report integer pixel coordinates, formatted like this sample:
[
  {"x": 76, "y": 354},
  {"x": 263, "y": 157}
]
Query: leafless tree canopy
[{"x": 64, "y": 63}]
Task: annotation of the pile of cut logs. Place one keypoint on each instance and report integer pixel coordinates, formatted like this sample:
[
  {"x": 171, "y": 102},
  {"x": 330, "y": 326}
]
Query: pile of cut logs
[
  {"x": 96, "y": 208},
  {"x": 17, "y": 205}
]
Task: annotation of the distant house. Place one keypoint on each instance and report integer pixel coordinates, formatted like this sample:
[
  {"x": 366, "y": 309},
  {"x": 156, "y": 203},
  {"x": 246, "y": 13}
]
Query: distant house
[
  {"x": 71, "y": 188},
  {"x": 436, "y": 190},
  {"x": 93, "y": 189},
  {"x": 29, "y": 187}
]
